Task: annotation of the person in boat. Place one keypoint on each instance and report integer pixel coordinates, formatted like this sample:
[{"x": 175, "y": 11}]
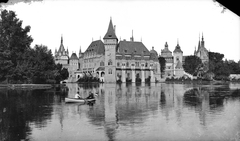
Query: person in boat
[
  {"x": 78, "y": 96},
  {"x": 90, "y": 96}
]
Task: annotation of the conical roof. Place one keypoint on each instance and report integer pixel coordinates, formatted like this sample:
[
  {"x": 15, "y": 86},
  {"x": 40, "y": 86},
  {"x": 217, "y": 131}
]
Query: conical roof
[
  {"x": 110, "y": 32},
  {"x": 74, "y": 56}
]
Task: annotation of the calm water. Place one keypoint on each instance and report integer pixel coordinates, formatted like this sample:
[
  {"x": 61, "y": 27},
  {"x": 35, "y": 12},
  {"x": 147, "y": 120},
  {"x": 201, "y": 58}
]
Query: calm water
[{"x": 122, "y": 113}]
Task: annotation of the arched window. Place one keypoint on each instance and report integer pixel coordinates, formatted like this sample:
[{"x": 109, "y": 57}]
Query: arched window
[
  {"x": 127, "y": 65},
  {"x": 146, "y": 64},
  {"x": 110, "y": 62}
]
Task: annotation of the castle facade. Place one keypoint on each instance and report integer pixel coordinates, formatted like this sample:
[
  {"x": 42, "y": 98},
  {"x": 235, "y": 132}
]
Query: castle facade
[{"x": 112, "y": 60}]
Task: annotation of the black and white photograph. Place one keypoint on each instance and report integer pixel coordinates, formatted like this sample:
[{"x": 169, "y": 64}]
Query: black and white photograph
[{"x": 119, "y": 70}]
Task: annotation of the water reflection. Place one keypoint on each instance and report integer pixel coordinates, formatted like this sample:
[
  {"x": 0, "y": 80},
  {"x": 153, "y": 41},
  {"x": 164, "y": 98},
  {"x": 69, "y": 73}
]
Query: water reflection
[
  {"x": 122, "y": 112},
  {"x": 19, "y": 109}
]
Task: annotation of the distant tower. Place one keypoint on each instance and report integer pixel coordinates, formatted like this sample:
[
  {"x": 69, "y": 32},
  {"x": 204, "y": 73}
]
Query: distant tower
[
  {"x": 202, "y": 52},
  {"x": 110, "y": 43},
  {"x": 177, "y": 58}
]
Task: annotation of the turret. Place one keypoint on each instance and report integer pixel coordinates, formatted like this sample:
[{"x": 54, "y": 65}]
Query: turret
[{"x": 110, "y": 44}]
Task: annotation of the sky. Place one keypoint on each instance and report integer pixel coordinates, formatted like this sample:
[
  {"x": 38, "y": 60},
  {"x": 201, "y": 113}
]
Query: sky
[{"x": 153, "y": 22}]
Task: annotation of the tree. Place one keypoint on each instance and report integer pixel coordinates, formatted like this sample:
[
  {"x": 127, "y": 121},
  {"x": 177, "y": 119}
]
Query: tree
[
  {"x": 234, "y": 68},
  {"x": 14, "y": 41},
  {"x": 191, "y": 64},
  {"x": 61, "y": 74},
  {"x": 162, "y": 62},
  {"x": 218, "y": 66}
]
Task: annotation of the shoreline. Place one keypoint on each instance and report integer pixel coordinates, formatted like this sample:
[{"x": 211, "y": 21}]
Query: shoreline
[{"x": 26, "y": 86}]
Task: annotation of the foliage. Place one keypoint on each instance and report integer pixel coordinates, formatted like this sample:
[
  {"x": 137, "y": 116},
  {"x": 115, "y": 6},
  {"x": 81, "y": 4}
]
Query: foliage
[
  {"x": 217, "y": 66},
  {"x": 191, "y": 64},
  {"x": 14, "y": 41},
  {"x": 88, "y": 79},
  {"x": 19, "y": 63},
  {"x": 234, "y": 67},
  {"x": 162, "y": 62}
]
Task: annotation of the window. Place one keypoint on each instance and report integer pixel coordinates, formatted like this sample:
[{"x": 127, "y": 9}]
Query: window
[
  {"x": 137, "y": 64},
  {"x": 127, "y": 64},
  {"x": 118, "y": 64},
  {"x": 146, "y": 64},
  {"x": 132, "y": 65},
  {"x": 110, "y": 62},
  {"x": 109, "y": 71}
]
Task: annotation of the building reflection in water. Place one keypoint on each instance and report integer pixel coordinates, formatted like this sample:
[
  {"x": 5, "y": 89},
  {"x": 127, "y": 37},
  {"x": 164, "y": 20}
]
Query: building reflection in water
[{"x": 125, "y": 106}]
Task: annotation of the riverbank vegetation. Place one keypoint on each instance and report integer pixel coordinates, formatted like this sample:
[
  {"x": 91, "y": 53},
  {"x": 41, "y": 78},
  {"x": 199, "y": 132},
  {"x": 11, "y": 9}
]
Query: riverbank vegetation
[
  {"x": 19, "y": 63},
  {"x": 215, "y": 69}
]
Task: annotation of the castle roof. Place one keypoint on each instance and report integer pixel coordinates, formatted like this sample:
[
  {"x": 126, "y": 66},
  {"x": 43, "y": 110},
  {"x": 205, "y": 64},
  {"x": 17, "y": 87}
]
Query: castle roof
[
  {"x": 129, "y": 47},
  {"x": 179, "y": 65},
  {"x": 166, "y": 50},
  {"x": 153, "y": 54},
  {"x": 110, "y": 32},
  {"x": 61, "y": 48},
  {"x": 96, "y": 47},
  {"x": 178, "y": 49},
  {"x": 74, "y": 56}
]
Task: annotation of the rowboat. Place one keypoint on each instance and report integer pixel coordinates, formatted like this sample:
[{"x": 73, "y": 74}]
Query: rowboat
[{"x": 76, "y": 100}]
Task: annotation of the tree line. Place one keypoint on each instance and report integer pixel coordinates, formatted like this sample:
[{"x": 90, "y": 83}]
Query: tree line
[
  {"x": 216, "y": 68},
  {"x": 19, "y": 63}
]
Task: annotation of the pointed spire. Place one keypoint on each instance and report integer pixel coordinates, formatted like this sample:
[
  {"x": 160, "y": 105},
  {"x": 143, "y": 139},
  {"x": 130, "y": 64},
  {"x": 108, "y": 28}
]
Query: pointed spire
[
  {"x": 166, "y": 45},
  {"x": 199, "y": 41},
  {"x": 132, "y": 39},
  {"x": 202, "y": 42},
  {"x": 110, "y": 32},
  {"x": 61, "y": 39},
  {"x": 80, "y": 51},
  {"x": 177, "y": 48}
]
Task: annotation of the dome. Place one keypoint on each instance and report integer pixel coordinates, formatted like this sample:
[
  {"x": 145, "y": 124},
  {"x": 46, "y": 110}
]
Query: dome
[
  {"x": 178, "y": 49},
  {"x": 153, "y": 52}
]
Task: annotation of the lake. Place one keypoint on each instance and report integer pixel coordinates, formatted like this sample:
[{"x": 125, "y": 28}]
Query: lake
[{"x": 144, "y": 112}]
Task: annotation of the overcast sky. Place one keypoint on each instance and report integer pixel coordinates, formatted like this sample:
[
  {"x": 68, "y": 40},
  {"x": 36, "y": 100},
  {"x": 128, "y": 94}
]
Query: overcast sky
[{"x": 155, "y": 22}]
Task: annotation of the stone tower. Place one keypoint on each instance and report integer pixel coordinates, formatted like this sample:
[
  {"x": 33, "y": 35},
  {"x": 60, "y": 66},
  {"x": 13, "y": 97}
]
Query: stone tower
[
  {"x": 110, "y": 44},
  {"x": 177, "y": 58}
]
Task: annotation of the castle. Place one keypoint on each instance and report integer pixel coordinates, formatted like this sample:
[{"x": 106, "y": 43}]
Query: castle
[
  {"x": 175, "y": 60},
  {"x": 112, "y": 60}
]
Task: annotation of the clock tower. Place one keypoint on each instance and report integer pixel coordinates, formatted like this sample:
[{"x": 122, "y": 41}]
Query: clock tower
[{"x": 110, "y": 44}]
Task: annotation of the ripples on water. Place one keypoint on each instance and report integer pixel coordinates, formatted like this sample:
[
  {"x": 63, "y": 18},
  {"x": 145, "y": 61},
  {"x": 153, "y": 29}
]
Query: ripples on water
[{"x": 123, "y": 112}]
